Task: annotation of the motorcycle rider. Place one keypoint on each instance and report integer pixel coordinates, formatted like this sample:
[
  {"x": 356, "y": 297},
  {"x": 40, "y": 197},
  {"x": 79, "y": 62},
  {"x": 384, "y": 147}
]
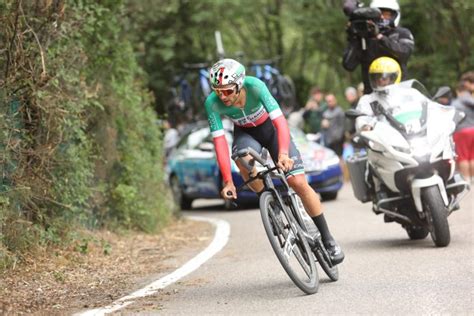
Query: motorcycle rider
[
  {"x": 389, "y": 39},
  {"x": 258, "y": 122},
  {"x": 383, "y": 73}
]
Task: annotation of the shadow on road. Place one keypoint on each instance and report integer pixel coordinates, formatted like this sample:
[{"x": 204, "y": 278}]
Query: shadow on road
[{"x": 378, "y": 244}]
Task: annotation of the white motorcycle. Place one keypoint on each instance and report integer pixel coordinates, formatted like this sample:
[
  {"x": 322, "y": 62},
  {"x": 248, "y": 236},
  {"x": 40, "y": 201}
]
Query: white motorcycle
[{"x": 408, "y": 171}]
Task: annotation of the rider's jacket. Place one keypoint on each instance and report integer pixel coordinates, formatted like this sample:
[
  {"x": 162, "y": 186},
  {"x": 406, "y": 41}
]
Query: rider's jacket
[
  {"x": 399, "y": 100},
  {"x": 397, "y": 43},
  {"x": 259, "y": 106}
]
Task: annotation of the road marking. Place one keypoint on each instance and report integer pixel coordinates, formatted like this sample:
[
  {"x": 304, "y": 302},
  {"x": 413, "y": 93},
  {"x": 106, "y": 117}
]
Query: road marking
[{"x": 220, "y": 240}]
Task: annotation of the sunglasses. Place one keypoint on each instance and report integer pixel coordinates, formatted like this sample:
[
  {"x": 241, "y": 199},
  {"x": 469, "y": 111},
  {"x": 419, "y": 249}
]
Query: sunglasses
[{"x": 225, "y": 92}]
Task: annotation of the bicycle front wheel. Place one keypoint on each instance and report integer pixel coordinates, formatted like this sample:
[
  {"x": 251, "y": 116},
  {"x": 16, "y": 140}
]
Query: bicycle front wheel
[{"x": 289, "y": 244}]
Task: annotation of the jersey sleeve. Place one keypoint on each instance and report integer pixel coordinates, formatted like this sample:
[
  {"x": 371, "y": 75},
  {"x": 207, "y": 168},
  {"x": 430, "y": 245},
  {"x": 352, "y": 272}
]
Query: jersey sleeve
[
  {"x": 218, "y": 138},
  {"x": 276, "y": 115}
]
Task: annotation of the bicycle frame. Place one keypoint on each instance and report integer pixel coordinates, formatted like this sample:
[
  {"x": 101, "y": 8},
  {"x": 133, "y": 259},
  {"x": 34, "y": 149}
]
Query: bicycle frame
[{"x": 266, "y": 177}]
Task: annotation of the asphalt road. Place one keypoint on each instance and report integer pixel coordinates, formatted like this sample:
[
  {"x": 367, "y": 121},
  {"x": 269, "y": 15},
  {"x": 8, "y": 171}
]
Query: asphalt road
[{"x": 384, "y": 272}]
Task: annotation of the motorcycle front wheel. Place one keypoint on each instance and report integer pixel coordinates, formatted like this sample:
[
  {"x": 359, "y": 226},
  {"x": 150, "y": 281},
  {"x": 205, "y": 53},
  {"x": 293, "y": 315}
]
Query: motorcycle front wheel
[{"x": 437, "y": 215}]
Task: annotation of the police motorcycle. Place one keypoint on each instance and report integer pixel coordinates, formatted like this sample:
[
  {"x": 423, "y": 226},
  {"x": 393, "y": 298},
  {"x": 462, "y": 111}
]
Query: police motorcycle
[{"x": 408, "y": 170}]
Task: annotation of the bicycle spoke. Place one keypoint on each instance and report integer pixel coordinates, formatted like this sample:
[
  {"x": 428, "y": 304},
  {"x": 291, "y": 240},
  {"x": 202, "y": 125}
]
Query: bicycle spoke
[{"x": 303, "y": 262}]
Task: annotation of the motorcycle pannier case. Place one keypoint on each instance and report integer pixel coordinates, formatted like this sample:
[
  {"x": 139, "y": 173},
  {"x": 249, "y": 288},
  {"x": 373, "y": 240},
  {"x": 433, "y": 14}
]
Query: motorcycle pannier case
[{"x": 357, "y": 166}]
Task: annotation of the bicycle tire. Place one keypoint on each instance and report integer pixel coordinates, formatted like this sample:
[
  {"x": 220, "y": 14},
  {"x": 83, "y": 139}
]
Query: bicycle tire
[
  {"x": 278, "y": 238},
  {"x": 320, "y": 252},
  {"x": 325, "y": 262}
]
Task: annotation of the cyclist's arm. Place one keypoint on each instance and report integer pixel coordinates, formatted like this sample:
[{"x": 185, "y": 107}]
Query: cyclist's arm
[
  {"x": 277, "y": 117},
  {"x": 220, "y": 143}
]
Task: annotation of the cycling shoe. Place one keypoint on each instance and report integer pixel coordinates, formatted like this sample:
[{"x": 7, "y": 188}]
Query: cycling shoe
[{"x": 335, "y": 252}]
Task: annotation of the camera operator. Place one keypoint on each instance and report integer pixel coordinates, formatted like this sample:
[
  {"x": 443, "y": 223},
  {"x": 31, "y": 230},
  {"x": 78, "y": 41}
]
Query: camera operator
[{"x": 374, "y": 32}]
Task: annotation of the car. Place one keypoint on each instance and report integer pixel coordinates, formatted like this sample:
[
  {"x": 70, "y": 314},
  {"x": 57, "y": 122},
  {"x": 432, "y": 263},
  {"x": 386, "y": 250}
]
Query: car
[{"x": 193, "y": 173}]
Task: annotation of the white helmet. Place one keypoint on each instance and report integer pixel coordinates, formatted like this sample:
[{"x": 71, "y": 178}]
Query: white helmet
[
  {"x": 390, "y": 5},
  {"x": 227, "y": 72}
]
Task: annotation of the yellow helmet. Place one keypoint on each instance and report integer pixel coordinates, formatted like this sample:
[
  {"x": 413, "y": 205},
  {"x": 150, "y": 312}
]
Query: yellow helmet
[{"x": 384, "y": 71}]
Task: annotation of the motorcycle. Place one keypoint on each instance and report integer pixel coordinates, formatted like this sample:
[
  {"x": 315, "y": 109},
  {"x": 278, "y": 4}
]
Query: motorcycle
[{"x": 408, "y": 170}]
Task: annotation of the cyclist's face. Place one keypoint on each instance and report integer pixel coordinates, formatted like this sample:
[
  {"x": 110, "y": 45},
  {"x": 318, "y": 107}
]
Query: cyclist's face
[{"x": 227, "y": 95}]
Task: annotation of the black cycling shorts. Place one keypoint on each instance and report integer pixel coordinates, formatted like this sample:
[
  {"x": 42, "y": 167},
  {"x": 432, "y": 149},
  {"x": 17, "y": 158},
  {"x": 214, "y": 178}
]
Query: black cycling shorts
[{"x": 265, "y": 135}]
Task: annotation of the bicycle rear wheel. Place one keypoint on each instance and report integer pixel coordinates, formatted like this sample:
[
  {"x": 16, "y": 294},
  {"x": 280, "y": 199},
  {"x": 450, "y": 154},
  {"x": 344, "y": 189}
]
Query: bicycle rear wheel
[
  {"x": 324, "y": 260},
  {"x": 289, "y": 244}
]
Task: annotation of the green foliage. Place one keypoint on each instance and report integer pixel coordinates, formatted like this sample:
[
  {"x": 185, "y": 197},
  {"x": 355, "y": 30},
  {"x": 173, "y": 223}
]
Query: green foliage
[
  {"x": 79, "y": 139},
  {"x": 308, "y": 35}
]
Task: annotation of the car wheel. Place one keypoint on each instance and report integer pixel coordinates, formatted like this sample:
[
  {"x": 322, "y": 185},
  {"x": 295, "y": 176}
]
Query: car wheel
[
  {"x": 178, "y": 195},
  {"x": 328, "y": 196}
]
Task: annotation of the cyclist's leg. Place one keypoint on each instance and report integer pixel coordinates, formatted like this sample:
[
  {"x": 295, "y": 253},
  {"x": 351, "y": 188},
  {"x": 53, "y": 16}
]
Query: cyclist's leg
[
  {"x": 243, "y": 140},
  {"x": 297, "y": 180}
]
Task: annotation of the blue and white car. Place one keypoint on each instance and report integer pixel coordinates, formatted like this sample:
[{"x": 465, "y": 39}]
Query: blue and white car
[{"x": 193, "y": 173}]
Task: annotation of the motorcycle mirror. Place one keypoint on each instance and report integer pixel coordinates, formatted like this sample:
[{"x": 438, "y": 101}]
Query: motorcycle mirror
[
  {"x": 459, "y": 116},
  {"x": 443, "y": 92},
  {"x": 353, "y": 113}
]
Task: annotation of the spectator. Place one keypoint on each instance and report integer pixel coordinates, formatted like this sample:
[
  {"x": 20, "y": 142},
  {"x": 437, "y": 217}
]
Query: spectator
[
  {"x": 171, "y": 137},
  {"x": 360, "y": 89},
  {"x": 314, "y": 108},
  {"x": 332, "y": 125},
  {"x": 349, "y": 130},
  {"x": 295, "y": 118},
  {"x": 464, "y": 134}
]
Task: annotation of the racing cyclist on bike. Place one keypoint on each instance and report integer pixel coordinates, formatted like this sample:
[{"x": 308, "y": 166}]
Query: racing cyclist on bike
[{"x": 258, "y": 122}]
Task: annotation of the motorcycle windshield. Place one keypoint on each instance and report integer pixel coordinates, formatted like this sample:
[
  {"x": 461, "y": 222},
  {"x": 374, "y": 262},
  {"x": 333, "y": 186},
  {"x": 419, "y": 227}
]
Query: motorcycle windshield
[{"x": 408, "y": 107}]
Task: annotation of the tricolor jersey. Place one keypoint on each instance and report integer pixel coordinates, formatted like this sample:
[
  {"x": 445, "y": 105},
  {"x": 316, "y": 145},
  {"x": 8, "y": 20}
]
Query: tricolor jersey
[{"x": 259, "y": 106}]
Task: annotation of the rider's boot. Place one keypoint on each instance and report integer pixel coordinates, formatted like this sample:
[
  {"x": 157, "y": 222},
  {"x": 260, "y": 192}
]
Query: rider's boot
[{"x": 335, "y": 251}]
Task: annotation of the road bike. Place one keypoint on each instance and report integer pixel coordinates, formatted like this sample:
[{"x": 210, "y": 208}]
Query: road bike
[
  {"x": 201, "y": 87},
  {"x": 293, "y": 235},
  {"x": 188, "y": 93},
  {"x": 281, "y": 87}
]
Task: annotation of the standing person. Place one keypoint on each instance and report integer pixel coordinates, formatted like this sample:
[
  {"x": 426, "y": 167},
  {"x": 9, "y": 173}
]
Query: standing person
[
  {"x": 258, "y": 122},
  {"x": 313, "y": 111},
  {"x": 388, "y": 39},
  {"x": 464, "y": 134},
  {"x": 333, "y": 125},
  {"x": 352, "y": 98},
  {"x": 171, "y": 137}
]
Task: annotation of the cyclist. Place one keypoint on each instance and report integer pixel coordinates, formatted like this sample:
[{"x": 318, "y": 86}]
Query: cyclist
[{"x": 258, "y": 122}]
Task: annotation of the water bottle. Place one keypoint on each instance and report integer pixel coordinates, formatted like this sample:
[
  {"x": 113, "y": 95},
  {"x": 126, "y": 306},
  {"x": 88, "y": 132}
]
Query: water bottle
[{"x": 308, "y": 223}]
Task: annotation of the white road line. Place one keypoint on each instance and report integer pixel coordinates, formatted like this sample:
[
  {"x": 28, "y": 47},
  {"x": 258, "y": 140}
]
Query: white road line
[{"x": 220, "y": 240}]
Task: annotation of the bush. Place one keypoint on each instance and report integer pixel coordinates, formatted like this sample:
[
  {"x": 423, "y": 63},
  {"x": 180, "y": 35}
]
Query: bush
[{"x": 80, "y": 146}]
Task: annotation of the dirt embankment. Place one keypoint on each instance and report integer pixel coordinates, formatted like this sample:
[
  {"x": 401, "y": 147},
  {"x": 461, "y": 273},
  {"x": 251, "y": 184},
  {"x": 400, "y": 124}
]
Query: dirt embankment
[{"x": 67, "y": 281}]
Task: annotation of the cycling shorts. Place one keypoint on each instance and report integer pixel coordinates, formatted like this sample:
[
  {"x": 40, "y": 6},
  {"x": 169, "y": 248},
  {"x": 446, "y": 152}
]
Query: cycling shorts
[{"x": 265, "y": 135}]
